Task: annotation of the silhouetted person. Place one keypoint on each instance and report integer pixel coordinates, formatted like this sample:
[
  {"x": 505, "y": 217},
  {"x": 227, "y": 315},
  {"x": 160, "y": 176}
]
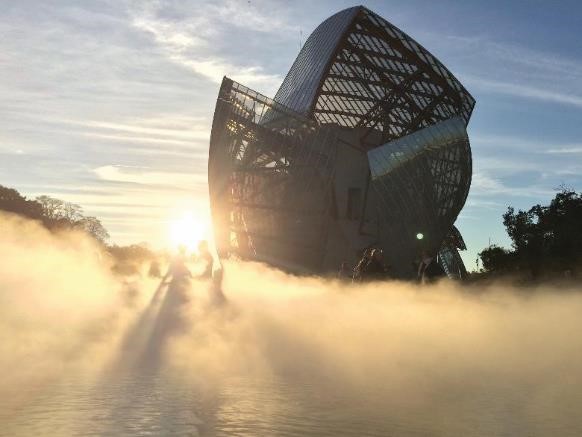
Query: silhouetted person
[
  {"x": 178, "y": 270},
  {"x": 155, "y": 271},
  {"x": 375, "y": 269},
  {"x": 429, "y": 270},
  {"x": 358, "y": 270},
  {"x": 207, "y": 259},
  {"x": 344, "y": 273},
  {"x": 216, "y": 294}
]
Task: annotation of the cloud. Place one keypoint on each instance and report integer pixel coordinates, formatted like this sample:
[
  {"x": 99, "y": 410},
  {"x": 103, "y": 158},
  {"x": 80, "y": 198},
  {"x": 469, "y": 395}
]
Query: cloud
[
  {"x": 251, "y": 17},
  {"x": 565, "y": 150},
  {"x": 523, "y": 144},
  {"x": 192, "y": 42},
  {"x": 512, "y": 156},
  {"x": 181, "y": 133},
  {"x": 532, "y": 92},
  {"x": 484, "y": 184},
  {"x": 514, "y": 70},
  {"x": 512, "y": 56},
  {"x": 144, "y": 176},
  {"x": 482, "y": 203},
  {"x": 216, "y": 69}
]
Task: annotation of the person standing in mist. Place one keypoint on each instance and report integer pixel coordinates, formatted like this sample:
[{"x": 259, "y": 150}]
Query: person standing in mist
[
  {"x": 371, "y": 267},
  {"x": 178, "y": 270},
  {"x": 344, "y": 272},
  {"x": 207, "y": 259},
  {"x": 375, "y": 268},
  {"x": 216, "y": 294},
  {"x": 429, "y": 270},
  {"x": 359, "y": 269}
]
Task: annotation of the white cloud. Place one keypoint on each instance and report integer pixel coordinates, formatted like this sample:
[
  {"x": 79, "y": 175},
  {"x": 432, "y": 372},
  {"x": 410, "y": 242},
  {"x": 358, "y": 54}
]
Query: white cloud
[
  {"x": 484, "y": 184},
  {"x": 249, "y": 16},
  {"x": 515, "y": 57},
  {"x": 539, "y": 92},
  {"x": 565, "y": 150},
  {"x": 510, "y": 69},
  {"x": 483, "y": 203},
  {"x": 158, "y": 133},
  {"x": 144, "y": 176},
  {"x": 216, "y": 69},
  {"x": 170, "y": 34},
  {"x": 189, "y": 42}
]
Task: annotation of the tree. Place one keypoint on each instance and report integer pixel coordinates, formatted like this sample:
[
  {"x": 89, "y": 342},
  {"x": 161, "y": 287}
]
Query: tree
[
  {"x": 545, "y": 239},
  {"x": 53, "y": 213},
  {"x": 12, "y": 201},
  {"x": 496, "y": 259},
  {"x": 51, "y": 207},
  {"x": 71, "y": 212},
  {"x": 93, "y": 226}
]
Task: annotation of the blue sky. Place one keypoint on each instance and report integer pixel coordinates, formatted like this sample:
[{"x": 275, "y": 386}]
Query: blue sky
[{"x": 109, "y": 104}]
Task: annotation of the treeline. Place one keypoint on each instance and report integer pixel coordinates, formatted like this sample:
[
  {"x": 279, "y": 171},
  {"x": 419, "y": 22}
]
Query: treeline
[
  {"x": 546, "y": 240},
  {"x": 55, "y": 214}
]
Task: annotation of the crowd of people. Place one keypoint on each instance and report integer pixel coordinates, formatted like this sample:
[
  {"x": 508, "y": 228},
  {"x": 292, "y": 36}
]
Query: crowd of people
[{"x": 372, "y": 267}]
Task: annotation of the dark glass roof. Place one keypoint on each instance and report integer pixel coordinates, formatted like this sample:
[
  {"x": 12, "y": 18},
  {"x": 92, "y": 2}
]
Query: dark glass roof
[{"x": 359, "y": 71}]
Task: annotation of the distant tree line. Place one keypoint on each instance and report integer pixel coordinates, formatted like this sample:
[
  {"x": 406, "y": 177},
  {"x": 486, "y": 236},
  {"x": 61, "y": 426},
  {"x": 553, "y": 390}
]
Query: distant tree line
[
  {"x": 56, "y": 214},
  {"x": 546, "y": 240},
  {"x": 53, "y": 213}
]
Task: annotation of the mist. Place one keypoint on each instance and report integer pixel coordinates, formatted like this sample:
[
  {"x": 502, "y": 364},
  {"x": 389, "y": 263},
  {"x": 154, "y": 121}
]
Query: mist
[{"x": 285, "y": 355}]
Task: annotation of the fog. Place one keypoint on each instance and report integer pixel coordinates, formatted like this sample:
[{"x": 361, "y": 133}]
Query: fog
[{"x": 285, "y": 354}]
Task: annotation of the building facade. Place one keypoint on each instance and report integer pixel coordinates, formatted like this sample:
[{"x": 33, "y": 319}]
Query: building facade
[{"x": 364, "y": 145}]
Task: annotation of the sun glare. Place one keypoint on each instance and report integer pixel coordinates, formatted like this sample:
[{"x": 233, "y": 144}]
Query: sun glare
[{"x": 187, "y": 230}]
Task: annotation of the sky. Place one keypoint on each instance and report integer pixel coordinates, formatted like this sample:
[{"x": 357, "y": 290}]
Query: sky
[{"x": 109, "y": 104}]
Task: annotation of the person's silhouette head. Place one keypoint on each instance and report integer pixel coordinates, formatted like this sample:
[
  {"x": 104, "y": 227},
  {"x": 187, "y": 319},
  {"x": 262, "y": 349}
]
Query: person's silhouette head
[
  {"x": 377, "y": 254},
  {"x": 203, "y": 246}
]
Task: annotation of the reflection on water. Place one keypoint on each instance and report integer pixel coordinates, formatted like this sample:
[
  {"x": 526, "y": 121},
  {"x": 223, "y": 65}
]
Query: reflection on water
[
  {"x": 321, "y": 360},
  {"x": 146, "y": 404}
]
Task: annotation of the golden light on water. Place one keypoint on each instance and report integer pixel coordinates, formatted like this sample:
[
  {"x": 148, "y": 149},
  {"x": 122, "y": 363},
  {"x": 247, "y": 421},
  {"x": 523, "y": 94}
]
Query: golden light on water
[
  {"x": 187, "y": 230},
  {"x": 314, "y": 353}
]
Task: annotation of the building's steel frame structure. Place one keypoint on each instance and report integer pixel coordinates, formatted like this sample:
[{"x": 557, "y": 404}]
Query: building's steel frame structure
[{"x": 364, "y": 144}]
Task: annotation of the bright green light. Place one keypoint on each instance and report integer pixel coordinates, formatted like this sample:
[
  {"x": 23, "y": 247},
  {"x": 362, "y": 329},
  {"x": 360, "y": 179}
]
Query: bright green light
[{"x": 419, "y": 236}]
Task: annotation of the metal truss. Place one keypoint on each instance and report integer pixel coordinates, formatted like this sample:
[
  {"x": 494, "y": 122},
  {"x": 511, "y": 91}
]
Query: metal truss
[
  {"x": 376, "y": 77},
  {"x": 269, "y": 175}
]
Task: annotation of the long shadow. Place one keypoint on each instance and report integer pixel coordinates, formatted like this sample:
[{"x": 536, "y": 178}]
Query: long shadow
[
  {"x": 139, "y": 335},
  {"x": 142, "y": 348},
  {"x": 170, "y": 321}
]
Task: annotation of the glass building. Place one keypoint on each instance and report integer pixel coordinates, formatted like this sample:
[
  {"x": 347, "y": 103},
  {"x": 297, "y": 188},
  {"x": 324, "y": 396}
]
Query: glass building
[{"x": 364, "y": 145}]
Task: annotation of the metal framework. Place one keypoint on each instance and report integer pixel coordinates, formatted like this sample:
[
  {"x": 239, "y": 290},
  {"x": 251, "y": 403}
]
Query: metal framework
[
  {"x": 270, "y": 172},
  {"x": 364, "y": 144}
]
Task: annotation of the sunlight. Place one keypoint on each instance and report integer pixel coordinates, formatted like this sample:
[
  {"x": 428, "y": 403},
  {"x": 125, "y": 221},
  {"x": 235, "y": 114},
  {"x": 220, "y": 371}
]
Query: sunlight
[{"x": 187, "y": 230}]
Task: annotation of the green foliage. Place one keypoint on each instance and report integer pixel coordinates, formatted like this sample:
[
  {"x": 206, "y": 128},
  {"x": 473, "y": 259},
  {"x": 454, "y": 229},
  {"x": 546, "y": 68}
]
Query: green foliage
[
  {"x": 495, "y": 258},
  {"x": 545, "y": 239}
]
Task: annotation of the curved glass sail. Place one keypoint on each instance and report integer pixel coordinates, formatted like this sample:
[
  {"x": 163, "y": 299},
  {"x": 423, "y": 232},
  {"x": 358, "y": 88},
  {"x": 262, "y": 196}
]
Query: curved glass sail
[{"x": 384, "y": 159}]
